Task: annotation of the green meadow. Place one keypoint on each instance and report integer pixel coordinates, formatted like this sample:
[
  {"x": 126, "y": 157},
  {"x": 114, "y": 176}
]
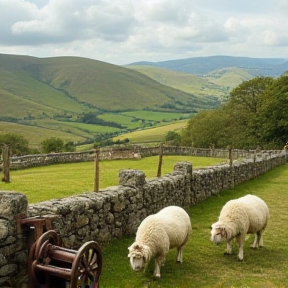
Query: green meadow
[
  {"x": 149, "y": 135},
  {"x": 62, "y": 180}
]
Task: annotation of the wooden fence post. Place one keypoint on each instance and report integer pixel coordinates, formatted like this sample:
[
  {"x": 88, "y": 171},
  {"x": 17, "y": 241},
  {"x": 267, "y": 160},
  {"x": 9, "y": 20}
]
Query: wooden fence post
[
  {"x": 6, "y": 163},
  {"x": 96, "y": 180},
  {"x": 230, "y": 156},
  {"x": 160, "y": 160}
]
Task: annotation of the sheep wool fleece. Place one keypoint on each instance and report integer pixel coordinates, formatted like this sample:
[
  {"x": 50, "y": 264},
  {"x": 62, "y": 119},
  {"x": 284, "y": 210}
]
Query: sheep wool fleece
[{"x": 167, "y": 229}]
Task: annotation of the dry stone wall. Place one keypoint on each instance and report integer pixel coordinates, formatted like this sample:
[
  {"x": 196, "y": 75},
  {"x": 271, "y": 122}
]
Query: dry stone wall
[
  {"x": 118, "y": 210},
  {"x": 13, "y": 246},
  {"x": 26, "y": 161}
]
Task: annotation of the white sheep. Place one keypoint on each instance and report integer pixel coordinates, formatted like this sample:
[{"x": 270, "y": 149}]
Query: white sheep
[
  {"x": 239, "y": 217},
  {"x": 167, "y": 229},
  {"x": 136, "y": 155}
]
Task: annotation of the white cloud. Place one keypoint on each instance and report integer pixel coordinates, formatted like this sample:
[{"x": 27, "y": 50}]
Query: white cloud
[{"x": 123, "y": 31}]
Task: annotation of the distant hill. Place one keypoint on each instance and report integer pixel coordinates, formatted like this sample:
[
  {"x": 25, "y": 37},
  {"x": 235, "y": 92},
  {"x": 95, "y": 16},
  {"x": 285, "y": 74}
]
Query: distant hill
[
  {"x": 217, "y": 83},
  {"x": 203, "y": 65}
]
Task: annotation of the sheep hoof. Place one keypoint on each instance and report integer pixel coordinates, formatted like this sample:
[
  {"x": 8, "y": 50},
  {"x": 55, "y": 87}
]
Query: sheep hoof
[
  {"x": 178, "y": 261},
  {"x": 239, "y": 260},
  {"x": 226, "y": 253},
  {"x": 157, "y": 275}
]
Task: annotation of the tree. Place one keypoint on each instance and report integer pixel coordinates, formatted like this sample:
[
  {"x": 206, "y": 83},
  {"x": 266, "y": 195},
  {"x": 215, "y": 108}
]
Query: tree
[
  {"x": 173, "y": 138},
  {"x": 243, "y": 107},
  {"x": 206, "y": 129},
  {"x": 243, "y": 122},
  {"x": 17, "y": 143},
  {"x": 69, "y": 147},
  {"x": 52, "y": 144},
  {"x": 273, "y": 114}
]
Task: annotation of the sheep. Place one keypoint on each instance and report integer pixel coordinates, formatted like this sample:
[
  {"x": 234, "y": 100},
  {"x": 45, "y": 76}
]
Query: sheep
[
  {"x": 239, "y": 217},
  {"x": 136, "y": 155},
  {"x": 157, "y": 234}
]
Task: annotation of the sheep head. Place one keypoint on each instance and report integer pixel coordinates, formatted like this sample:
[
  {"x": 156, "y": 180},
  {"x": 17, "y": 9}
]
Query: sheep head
[
  {"x": 219, "y": 233},
  {"x": 139, "y": 256}
]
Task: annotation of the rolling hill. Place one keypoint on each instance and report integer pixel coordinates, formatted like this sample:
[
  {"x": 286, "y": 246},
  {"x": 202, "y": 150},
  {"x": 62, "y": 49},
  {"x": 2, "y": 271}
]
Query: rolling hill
[
  {"x": 72, "y": 85},
  {"x": 217, "y": 83},
  {"x": 54, "y": 94}
]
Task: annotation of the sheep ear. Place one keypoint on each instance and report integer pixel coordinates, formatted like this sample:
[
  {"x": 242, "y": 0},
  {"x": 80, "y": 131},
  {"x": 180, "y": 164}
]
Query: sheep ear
[{"x": 136, "y": 247}]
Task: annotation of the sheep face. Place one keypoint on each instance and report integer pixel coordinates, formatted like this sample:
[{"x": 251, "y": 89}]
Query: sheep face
[
  {"x": 137, "y": 262},
  {"x": 218, "y": 234},
  {"x": 138, "y": 256}
]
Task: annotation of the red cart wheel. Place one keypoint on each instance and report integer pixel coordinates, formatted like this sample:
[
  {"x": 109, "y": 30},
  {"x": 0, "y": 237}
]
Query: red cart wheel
[
  {"x": 49, "y": 237},
  {"x": 87, "y": 266},
  {"x": 37, "y": 254}
]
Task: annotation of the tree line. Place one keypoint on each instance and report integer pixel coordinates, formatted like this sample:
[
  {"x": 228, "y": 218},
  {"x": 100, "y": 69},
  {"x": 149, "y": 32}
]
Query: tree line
[{"x": 254, "y": 116}]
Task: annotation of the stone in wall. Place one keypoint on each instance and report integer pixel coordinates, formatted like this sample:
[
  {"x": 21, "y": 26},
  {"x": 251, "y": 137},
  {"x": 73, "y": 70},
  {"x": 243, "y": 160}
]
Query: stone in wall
[{"x": 14, "y": 250}]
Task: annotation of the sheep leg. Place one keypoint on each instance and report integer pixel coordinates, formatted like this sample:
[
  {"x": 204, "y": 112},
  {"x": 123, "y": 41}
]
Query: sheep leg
[
  {"x": 258, "y": 241},
  {"x": 228, "y": 248},
  {"x": 159, "y": 261},
  {"x": 261, "y": 240},
  {"x": 241, "y": 239},
  {"x": 179, "y": 255}
]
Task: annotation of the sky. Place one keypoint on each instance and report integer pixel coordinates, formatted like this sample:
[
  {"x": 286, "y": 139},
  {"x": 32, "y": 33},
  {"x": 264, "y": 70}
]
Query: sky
[{"x": 126, "y": 31}]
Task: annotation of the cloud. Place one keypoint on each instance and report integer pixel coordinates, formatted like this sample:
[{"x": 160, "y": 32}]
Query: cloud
[
  {"x": 65, "y": 21},
  {"x": 123, "y": 31}
]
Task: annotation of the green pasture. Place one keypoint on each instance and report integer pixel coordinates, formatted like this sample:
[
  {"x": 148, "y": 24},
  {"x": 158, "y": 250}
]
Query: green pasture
[
  {"x": 125, "y": 121},
  {"x": 91, "y": 128},
  {"x": 204, "y": 264},
  {"x": 156, "y": 134},
  {"x": 156, "y": 116},
  {"x": 57, "y": 181}
]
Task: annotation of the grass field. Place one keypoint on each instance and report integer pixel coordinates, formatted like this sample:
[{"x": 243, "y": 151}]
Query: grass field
[
  {"x": 204, "y": 265},
  {"x": 156, "y": 116},
  {"x": 57, "y": 181},
  {"x": 156, "y": 134}
]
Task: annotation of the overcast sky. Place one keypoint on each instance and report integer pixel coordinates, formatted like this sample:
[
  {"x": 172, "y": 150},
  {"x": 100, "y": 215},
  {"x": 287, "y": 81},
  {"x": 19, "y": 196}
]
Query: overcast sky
[{"x": 125, "y": 31}]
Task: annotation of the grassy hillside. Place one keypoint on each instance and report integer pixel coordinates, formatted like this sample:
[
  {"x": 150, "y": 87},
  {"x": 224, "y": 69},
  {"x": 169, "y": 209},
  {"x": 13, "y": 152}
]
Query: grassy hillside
[
  {"x": 183, "y": 81},
  {"x": 55, "y": 93},
  {"x": 73, "y": 85},
  {"x": 216, "y": 84},
  {"x": 229, "y": 77},
  {"x": 35, "y": 135}
]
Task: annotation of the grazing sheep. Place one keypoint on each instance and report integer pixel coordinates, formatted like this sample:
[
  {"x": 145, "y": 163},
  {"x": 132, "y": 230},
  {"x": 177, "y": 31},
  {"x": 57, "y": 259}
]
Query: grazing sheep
[
  {"x": 239, "y": 217},
  {"x": 136, "y": 155},
  {"x": 169, "y": 228}
]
